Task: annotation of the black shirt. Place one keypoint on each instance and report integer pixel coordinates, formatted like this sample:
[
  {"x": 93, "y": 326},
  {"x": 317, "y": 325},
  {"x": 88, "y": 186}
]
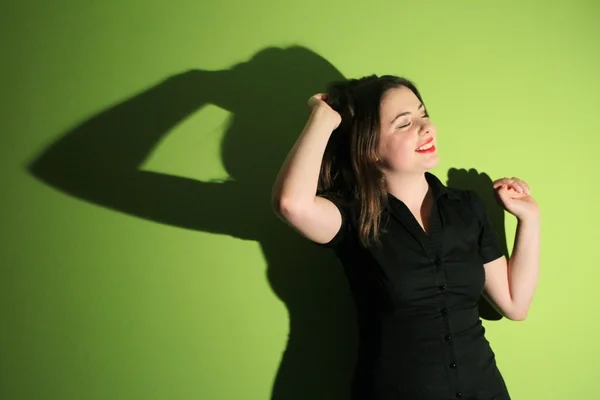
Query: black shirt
[{"x": 417, "y": 300}]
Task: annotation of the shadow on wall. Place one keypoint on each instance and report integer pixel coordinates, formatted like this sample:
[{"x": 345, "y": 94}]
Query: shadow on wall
[{"x": 99, "y": 162}]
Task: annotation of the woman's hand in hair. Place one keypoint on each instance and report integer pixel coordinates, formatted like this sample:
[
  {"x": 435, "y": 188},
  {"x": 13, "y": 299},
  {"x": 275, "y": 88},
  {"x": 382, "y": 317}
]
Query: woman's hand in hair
[{"x": 319, "y": 108}]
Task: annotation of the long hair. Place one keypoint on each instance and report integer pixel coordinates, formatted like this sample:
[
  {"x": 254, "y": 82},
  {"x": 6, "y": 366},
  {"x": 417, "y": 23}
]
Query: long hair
[{"x": 350, "y": 170}]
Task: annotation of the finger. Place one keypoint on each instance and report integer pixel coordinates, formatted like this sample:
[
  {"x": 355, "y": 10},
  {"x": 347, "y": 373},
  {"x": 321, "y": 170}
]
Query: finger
[
  {"x": 517, "y": 186},
  {"x": 522, "y": 184},
  {"x": 508, "y": 184},
  {"x": 500, "y": 182},
  {"x": 513, "y": 183},
  {"x": 526, "y": 187},
  {"x": 502, "y": 188}
]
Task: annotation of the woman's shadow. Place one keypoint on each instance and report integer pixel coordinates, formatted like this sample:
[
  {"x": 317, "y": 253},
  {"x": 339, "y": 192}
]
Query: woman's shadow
[{"x": 99, "y": 161}]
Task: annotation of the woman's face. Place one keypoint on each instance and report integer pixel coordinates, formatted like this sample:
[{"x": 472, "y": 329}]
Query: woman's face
[{"x": 407, "y": 137}]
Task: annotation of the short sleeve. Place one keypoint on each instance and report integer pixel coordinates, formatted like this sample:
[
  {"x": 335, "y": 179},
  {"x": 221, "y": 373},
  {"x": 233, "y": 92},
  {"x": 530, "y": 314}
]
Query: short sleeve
[
  {"x": 489, "y": 247},
  {"x": 343, "y": 234}
]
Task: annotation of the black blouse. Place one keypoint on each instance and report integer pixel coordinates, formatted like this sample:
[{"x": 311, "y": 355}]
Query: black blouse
[{"x": 417, "y": 295}]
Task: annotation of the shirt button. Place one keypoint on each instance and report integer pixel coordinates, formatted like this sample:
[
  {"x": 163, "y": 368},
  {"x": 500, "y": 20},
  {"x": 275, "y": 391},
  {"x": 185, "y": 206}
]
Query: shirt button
[
  {"x": 448, "y": 337},
  {"x": 452, "y": 365},
  {"x": 444, "y": 311},
  {"x": 458, "y": 395}
]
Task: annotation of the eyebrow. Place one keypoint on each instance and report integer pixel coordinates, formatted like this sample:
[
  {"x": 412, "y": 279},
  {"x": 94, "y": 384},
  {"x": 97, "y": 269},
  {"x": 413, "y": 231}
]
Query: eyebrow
[{"x": 405, "y": 113}]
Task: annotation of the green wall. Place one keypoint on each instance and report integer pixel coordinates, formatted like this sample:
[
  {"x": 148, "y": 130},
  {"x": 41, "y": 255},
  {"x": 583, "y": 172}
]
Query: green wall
[{"x": 140, "y": 257}]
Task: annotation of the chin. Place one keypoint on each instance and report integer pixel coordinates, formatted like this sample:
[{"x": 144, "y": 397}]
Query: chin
[{"x": 432, "y": 163}]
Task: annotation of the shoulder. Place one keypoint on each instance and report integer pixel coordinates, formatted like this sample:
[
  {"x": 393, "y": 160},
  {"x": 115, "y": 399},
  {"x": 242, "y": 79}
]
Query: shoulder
[
  {"x": 451, "y": 193},
  {"x": 466, "y": 200},
  {"x": 462, "y": 195},
  {"x": 472, "y": 203}
]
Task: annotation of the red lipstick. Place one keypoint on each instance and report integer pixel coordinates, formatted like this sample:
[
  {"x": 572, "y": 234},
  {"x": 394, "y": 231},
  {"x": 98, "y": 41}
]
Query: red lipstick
[{"x": 429, "y": 150}]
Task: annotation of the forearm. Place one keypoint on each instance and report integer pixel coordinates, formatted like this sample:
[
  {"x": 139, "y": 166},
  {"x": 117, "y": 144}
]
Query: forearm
[
  {"x": 297, "y": 181},
  {"x": 523, "y": 265}
]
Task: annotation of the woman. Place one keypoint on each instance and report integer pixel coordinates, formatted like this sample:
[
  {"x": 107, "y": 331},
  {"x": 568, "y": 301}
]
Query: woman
[{"x": 418, "y": 254}]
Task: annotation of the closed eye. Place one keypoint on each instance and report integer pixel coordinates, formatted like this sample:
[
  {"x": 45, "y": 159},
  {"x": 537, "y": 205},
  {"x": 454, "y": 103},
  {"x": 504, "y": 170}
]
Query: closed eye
[
  {"x": 426, "y": 115},
  {"x": 409, "y": 123}
]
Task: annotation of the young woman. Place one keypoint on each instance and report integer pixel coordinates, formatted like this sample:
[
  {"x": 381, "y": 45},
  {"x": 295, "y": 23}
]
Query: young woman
[{"x": 417, "y": 254}]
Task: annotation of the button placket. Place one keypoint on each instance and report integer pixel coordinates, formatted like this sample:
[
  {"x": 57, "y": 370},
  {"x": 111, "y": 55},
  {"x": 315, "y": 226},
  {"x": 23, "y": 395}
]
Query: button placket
[
  {"x": 442, "y": 289},
  {"x": 436, "y": 245}
]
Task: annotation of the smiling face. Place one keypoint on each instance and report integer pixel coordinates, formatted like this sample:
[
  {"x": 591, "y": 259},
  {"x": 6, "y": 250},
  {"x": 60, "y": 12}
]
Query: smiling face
[{"x": 407, "y": 137}]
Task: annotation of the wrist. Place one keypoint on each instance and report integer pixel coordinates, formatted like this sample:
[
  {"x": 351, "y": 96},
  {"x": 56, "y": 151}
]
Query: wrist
[{"x": 529, "y": 219}]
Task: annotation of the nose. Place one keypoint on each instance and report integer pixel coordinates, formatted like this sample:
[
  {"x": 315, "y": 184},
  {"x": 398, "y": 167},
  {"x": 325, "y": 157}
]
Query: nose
[{"x": 426, "y": 128}]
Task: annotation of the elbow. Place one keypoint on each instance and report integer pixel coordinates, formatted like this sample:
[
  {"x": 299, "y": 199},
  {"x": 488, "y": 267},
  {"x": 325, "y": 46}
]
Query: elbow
[
  {"x": 517, "y": 318},
  {"x": 277, "y": 201},
  {"x": 284, "y": 207},
  {"x": 517, "y": 315}
]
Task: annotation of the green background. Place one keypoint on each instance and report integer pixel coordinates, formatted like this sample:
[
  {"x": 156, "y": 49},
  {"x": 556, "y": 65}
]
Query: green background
[{"x": 140, "y": 257}]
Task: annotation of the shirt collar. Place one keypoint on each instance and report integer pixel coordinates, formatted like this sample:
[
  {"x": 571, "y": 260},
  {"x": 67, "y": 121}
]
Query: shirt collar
[{"x": 438, "y": 188}]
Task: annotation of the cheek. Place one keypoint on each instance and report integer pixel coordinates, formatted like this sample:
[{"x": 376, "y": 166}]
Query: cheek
[
  {"x": 404, "y": 145},
  {"x": 400, "y": 151}
]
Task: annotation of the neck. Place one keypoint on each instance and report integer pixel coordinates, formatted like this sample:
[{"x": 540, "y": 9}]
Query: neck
[{"x": 410, "y": 188}]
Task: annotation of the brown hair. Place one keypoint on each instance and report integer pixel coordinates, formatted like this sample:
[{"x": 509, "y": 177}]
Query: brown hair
[{"x": 350, "y": 170}]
